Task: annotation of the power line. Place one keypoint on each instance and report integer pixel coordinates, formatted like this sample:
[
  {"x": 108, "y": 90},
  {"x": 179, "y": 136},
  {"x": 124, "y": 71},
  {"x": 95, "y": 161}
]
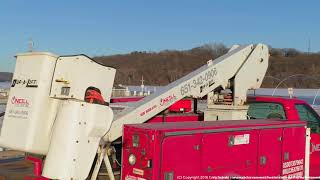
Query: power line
[{"x": 309, "y": 46}]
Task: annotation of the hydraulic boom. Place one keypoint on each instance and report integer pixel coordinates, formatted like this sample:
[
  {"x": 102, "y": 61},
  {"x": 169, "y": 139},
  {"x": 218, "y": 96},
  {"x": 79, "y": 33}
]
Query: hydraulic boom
[{"x": 242, "y": 68}]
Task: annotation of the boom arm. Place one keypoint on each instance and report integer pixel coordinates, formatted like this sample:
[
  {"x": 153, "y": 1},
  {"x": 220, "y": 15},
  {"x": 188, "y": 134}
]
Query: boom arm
[{"x": 247, "y": 64}]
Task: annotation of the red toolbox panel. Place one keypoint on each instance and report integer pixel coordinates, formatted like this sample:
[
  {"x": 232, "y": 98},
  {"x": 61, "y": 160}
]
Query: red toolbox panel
[
  {"x": 206, "y": 149},
  {"x": 270, "y": 150},
  {"x": 229, "y": 153},
  {"x": 293, "y": 151}
]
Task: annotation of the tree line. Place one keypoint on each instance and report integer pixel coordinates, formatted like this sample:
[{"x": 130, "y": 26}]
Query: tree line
[{"x": 161, "y": 68}]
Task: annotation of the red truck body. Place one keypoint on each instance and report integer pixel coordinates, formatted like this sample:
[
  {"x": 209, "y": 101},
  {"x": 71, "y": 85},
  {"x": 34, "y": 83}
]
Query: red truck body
[
  {"x": 158, "y": 153},
  {"x": 37, "y": 169},
  {"x": 183, "y": 105},
  {"x": 179, "y": 111},
  {"x": 124, "y": 99},
  {"x": 290, "y": 109},
  {"x": 179, "y": 117},
  {"x": 296, "y": 110},
  {"x": 204, "y": 150}
]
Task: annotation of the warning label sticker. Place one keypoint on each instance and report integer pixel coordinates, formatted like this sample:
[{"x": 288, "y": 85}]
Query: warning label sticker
[{"x": 241, "y": 139}]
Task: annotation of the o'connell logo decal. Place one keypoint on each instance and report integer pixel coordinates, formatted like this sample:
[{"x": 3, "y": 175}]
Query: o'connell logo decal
[{"x": 19, "y": 102}]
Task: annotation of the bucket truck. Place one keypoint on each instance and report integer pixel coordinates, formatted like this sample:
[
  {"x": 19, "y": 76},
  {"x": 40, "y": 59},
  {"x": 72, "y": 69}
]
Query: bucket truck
[{"x": 58, "y": 105}]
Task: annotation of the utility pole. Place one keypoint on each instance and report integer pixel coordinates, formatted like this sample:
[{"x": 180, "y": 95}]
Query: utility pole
[
  {"x": 142, "y": 84},
  {"x": 31, "y": 44},
  {"x": 309, "y": 46}
]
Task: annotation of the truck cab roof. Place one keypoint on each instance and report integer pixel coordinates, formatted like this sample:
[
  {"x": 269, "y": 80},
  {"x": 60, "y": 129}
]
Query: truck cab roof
[{"x": 276, "y": 99}]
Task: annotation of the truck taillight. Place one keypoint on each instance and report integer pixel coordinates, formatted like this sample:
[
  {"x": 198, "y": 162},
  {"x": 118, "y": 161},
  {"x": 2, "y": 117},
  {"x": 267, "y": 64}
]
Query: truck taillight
[{"x": 146, "y": 162}]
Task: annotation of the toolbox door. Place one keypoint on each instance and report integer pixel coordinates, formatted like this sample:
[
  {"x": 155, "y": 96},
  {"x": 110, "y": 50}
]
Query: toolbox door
[
  {"x": 230, "y": 153},
  {"x": 180, "y": 156},
  {"x": 293, "y": 151},
  {"x": 136, "y": 155},
  {"x": 269, "y": 150}
]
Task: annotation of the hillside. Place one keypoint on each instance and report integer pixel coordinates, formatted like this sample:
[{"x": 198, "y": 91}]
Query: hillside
[{"x": 161, "y": 68}]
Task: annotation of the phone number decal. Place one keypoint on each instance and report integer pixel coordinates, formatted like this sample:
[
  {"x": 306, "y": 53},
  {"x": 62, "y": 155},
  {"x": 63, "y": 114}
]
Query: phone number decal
[{"x": 203, "y": 81}]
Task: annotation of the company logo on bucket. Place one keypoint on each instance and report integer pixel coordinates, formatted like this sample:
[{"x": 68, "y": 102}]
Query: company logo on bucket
[{"x": 20, "y": 102}]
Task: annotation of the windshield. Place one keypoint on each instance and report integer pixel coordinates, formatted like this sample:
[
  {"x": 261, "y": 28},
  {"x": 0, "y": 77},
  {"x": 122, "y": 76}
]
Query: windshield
[{"x": 266, "y": 110}]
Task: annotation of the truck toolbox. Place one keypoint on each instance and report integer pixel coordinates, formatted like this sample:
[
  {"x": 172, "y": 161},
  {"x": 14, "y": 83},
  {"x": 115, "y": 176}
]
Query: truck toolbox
[{"x": 205, "y": 150}]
